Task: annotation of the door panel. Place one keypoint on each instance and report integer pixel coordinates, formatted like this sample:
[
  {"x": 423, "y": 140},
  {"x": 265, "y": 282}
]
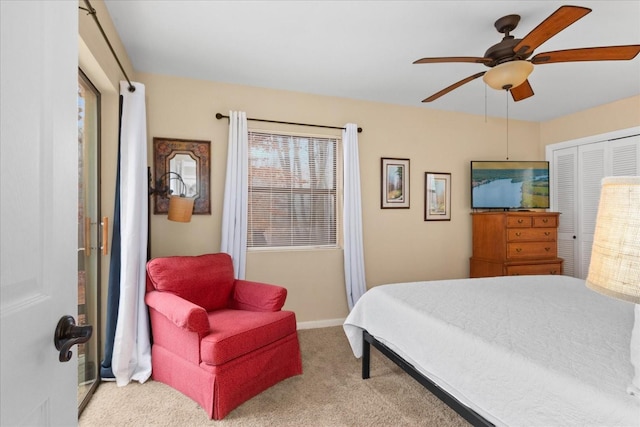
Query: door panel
[
  {"x": 565, "y": 170},
  {"x": 591, "y": 169},
  {"x": 578, "y": 170},
  {"x": 625, "y": 156},
  {"x": 38, "y": 183}
]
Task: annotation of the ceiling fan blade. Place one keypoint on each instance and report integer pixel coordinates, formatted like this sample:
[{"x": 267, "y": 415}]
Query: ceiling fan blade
[
  {"x": 472, "y": 59},
  {"x": 521, "y": 92},
  {"x": 556, "y": 22},
  {"x": 452, "y": 87},
  {"x": 604, "y": 53}
]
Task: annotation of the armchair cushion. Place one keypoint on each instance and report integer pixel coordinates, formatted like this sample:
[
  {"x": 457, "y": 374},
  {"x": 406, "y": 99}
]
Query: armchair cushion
[
  {"x": 205, "y": 280},
  {"x": 256, "y": 296},
  {"x": 235, "y": 333}
]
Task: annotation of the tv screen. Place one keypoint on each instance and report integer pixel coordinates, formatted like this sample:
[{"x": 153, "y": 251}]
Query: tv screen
[{"x": 509, "y": 185}]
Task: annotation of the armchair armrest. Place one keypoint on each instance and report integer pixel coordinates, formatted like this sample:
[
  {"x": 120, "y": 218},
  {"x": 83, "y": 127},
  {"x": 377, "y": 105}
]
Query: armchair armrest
[
  {"x": 182, "y": 313},
  {"x": 256, "y": 296}
]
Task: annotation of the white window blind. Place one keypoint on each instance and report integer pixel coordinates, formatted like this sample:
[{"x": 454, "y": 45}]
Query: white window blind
[{"x": 292, "y": 191}]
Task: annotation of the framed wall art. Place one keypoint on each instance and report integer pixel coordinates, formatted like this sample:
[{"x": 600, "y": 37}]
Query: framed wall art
[
  {"x": 437, "y": 196},
  {"x": 395, "y": 183}
]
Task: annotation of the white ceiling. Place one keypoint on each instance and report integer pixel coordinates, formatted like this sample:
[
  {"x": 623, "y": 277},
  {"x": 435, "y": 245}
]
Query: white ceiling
[{"x": 364, "y": 49}]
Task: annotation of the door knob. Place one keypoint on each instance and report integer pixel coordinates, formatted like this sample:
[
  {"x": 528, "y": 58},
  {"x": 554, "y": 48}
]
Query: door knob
[{"x": 68, "y": 334}]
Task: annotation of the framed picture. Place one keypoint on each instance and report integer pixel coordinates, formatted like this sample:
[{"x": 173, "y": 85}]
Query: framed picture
[
  {"x": 395, "y": 183},
  {"x": 437, "y": 196},
  {"x": 182, "y": 166}
]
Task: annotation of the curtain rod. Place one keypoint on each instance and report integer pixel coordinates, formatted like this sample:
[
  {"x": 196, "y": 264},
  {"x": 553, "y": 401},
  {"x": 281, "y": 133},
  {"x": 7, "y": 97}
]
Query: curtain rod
[
  {"x": 222, "y": 116},
  {"x": 91, "y": 11}
]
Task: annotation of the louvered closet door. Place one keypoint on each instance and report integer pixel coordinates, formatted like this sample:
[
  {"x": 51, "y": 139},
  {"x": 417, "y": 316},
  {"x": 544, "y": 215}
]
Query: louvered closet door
[
  {"x": 619, "y": 157},
  {"x": 577, "y": 174},
  {"x": 592, "y": 161},
  {"x": 625, "y": 156},
  {"x": 565, "y": 201}
]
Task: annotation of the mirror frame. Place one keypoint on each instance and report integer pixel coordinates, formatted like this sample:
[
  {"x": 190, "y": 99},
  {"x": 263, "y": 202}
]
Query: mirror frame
[{"x": 164, "y": 149}]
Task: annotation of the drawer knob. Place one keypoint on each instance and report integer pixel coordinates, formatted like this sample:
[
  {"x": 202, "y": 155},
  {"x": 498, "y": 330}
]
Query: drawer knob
[
  {"x": 547, "y": 233},
  {"x": 552, "y": 272},
  {"x": 518, "y": 249},
  {"x": 520, "y": 221},
  {"x": 547, "y": 249},
  {"x": 545, "y": 220},
  {"x": 518, "y": 234}
]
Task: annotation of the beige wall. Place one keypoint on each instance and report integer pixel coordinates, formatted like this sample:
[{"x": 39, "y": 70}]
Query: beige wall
[
  {"x": 399, "y": 244},
  {"x": 622, "y": 114}
]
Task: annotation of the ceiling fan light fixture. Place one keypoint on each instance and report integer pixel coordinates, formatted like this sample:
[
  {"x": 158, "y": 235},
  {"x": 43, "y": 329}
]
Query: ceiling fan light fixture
[{"x": 508, "y": 75}]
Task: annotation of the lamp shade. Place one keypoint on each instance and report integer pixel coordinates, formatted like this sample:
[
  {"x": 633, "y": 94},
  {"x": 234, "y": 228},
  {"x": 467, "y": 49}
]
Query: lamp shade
[
  {"x": 615, "y": 255},
  {"x": 180, "y": 208},
  {"x": 508, "y": 74}
]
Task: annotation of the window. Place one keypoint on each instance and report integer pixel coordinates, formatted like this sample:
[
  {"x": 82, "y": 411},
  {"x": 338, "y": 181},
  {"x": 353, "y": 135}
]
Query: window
[{"x": 292, "y": 191}]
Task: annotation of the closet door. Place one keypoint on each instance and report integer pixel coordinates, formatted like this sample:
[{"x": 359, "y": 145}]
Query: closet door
[
  {"x": 576, "y": 182},
  {"x": 625, "y": 156},
  {"x": 564, "y": 200},
  {"x": 592, "y": 159}
]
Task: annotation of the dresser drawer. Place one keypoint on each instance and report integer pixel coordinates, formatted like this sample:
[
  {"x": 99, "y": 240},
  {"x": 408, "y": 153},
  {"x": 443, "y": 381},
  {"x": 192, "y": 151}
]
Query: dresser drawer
[
  {"x": 518, "y": 221},
  {"x": 545, "y": 221},
  {"x": 521, "y": 270},
  {"x": 531, "y": 234},
  {"x": 532, "y": 250}
]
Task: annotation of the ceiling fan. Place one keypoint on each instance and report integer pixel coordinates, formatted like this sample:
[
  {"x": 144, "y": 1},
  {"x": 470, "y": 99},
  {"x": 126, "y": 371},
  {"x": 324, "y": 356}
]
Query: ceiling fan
[{"x": 507, "y": 60}]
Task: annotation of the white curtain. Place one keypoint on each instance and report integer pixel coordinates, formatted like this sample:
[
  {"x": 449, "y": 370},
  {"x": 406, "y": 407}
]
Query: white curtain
[
  {"x": 131, "y": 358},
  {"x": 234, "y": 208},
  {"x": 353, "y": 245}
]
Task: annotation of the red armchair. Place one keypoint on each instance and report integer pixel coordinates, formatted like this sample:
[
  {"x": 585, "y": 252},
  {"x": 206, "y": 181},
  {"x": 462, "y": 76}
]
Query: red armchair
[{"x": 216, "y": 339}]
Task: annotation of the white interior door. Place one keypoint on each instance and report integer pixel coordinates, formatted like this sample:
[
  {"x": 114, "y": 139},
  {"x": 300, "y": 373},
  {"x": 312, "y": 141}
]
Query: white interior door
[
  {"x": 565, "y": 201},
  {"x": 625, "y": 156},
  {"x": 617, "y": 157},
  {"x": 578, "y": 168},
  {"x": 592, "y": 167},
  {"x": 38, "y": 183}
]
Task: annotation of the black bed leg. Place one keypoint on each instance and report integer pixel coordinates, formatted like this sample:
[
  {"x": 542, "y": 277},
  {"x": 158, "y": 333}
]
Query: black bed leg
[
  {"x": 366, "y": 355},
  {"x": 467, "y": 413}
]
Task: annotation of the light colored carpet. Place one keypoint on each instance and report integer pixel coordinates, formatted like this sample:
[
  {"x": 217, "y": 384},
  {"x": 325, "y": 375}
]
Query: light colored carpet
[{"x": 330, "y": 392}]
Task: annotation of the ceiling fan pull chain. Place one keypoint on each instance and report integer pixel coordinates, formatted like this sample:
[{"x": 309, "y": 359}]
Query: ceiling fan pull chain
[
  {"x": 506, "y": 93},
  {"x": 485, "y": 103}
]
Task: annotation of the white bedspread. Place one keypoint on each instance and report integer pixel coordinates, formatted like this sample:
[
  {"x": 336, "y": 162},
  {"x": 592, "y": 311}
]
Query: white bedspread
[{"x": 520, "y": 351}]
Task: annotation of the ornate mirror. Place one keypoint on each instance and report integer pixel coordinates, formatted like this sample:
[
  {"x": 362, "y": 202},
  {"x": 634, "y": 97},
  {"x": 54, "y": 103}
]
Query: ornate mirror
[{"x": 182, "y": 166}]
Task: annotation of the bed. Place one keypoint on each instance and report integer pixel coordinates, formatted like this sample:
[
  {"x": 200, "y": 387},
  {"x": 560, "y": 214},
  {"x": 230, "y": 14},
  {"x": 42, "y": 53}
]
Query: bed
[{"x": 507, "y": 351}]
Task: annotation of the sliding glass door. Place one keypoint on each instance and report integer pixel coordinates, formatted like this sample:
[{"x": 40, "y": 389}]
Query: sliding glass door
[{"x": 89, "y": 235}]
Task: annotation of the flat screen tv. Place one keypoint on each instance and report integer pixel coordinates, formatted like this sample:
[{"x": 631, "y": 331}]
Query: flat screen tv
[{"x": 509, "y": 185}]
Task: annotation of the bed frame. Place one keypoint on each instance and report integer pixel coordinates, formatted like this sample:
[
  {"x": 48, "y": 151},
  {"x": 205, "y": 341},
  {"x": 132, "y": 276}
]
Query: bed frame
[{"x": 465, "y": 412}]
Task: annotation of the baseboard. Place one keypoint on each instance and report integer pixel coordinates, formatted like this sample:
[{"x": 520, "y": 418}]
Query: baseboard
[{"x": 313, "y": 324}]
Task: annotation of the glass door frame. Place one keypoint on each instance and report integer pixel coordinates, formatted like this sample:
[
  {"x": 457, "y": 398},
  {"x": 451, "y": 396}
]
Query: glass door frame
[{"x": 96, "y": 341}]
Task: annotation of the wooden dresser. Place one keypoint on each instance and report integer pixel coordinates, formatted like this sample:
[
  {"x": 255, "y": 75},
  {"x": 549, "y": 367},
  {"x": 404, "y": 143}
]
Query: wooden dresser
[{"x": 515, "y": 243}]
